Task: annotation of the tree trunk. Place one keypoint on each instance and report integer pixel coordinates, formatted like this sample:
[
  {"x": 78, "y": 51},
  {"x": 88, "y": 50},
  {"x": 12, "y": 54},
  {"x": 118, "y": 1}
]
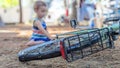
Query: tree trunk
[
  {"x": 74, "y": 10},
  {"x": 20, "y": 7},
  {"x": 65, "y": 3}
]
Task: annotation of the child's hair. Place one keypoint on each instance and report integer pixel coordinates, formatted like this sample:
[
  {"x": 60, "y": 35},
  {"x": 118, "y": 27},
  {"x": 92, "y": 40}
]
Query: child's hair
[{"x": 38, "y": 4}]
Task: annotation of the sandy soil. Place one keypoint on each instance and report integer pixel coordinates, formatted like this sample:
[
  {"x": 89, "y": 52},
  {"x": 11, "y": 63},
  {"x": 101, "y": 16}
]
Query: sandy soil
[{"x": 12, "y": 37}]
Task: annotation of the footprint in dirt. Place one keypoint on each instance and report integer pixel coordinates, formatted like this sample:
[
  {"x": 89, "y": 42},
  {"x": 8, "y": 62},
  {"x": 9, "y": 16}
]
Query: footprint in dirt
[{"x": 6, "y": 39}]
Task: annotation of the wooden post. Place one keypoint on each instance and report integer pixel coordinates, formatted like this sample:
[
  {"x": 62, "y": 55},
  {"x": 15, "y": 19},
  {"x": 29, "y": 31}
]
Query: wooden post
[{"x": 21, "y": 14}]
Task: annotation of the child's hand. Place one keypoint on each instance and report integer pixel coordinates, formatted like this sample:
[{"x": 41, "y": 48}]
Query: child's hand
[{"x": 52, "y": 38}]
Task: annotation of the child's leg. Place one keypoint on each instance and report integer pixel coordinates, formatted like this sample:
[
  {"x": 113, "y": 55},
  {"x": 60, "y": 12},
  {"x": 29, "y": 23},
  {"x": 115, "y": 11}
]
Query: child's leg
[{"x": 32, "y": 42}]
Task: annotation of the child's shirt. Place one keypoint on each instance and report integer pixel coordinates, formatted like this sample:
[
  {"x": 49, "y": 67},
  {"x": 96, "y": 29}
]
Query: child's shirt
[{"x": 37, "y": 34}]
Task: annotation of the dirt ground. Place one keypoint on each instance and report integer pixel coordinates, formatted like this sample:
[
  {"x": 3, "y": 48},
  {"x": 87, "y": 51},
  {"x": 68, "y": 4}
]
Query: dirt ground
[{"x": 12, "y": 37}]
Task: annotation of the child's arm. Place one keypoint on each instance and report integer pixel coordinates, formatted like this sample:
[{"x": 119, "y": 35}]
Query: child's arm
[{"x": 39, "y": 25}]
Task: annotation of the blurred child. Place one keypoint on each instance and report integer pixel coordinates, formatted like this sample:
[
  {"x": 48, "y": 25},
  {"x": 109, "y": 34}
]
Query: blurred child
[
  {"x": 86, "y": 12},
  {"x": 40, "y": 33}
]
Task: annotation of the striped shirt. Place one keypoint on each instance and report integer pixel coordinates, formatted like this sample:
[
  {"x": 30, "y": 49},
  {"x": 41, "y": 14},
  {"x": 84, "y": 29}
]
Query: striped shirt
[{"x": 37, "y": 34}]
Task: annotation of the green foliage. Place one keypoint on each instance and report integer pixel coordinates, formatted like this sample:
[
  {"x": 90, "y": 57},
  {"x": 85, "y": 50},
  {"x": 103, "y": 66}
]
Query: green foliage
[{"x": 9, "y": 3}]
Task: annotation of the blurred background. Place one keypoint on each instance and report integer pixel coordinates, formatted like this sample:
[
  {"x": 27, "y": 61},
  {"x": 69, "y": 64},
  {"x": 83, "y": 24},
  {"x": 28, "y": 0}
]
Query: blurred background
[{"x": 21, "y": 11}]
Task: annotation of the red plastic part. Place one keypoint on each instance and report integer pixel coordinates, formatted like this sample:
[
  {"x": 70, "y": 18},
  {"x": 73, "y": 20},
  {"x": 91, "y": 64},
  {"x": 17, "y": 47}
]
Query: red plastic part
[
  {"x": 62, "y": 50},
  {"x": 67, "y": 12}
]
